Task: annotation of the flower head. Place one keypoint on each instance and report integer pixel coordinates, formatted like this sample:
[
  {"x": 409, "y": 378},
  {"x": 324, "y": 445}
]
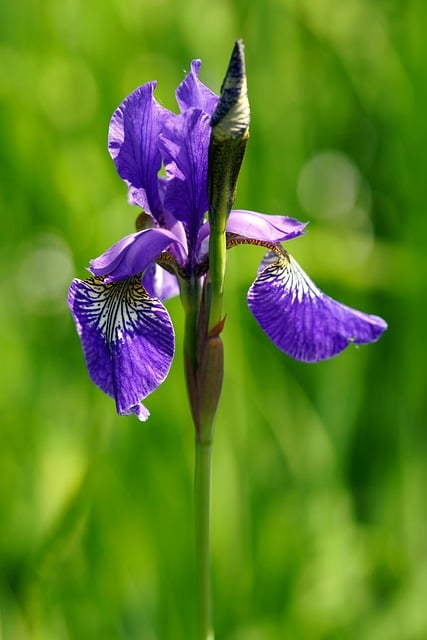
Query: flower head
[{"x": 126, "y": 332}]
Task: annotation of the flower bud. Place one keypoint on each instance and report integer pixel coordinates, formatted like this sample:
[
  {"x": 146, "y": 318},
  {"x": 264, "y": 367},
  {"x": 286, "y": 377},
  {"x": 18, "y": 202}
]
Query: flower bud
[
  {"x": 231, "y": 116},
  {"x": 230, "y": 131}
]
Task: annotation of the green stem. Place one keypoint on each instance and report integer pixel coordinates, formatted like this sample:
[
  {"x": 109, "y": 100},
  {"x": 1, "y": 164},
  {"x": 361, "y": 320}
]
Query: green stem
[
  {"x": 217, "y": 261},
  {"x": 190, "y": 297},
  {"x": 202, "y": 485}
]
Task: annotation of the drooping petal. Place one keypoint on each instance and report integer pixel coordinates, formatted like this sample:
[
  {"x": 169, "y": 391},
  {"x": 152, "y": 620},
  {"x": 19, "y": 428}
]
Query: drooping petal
[
  {"x": 193, "y": 93},
  {"x": 159, "y": 283},
  {"x": 127, "y": 338},
  {"x": 184, "y": 146},
  {"x": 132, "y": 254},
  {"x": 300, "y": 319},
  {"x": 264, "y": 227},
  {"x": 133, "y": 145}
]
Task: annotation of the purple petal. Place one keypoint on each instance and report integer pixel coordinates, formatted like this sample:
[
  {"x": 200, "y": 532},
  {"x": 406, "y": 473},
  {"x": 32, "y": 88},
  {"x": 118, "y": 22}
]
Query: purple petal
[
  {"x": 193, "y": 93},
  {"x": 202, "y": 245},
  {"x": 184, "y": 145},
  {"x": 267, "y": 228},
  {"x": 127, "y": 338},
  {"x": 133, "y": 145},
  {"x": 159, "y": 283},
  {"x": 256, "y": 226},
  {"x": 300, "y": 319},
  {"x": 132, "y": 254}
]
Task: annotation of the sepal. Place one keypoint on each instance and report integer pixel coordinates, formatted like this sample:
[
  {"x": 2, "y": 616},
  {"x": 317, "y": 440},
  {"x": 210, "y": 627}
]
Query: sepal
[
  {"x": 127, "y": 339},
  {"x": 300, "y": 319}
]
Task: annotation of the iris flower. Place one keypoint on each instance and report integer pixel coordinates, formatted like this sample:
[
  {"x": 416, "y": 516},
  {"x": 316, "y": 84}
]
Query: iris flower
[{"x": 126, "y": 332}]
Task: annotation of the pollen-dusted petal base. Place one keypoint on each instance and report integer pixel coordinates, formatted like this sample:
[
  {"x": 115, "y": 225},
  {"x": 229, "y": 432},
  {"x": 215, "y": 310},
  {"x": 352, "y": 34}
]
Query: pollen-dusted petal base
[
  {"x": 300, "y": 319},
  {"x": 127, "y": 338}
]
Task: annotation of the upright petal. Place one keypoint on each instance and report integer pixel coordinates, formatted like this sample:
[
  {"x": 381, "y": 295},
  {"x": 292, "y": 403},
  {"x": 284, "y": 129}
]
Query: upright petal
[
  {"x": 132, "y": 254},
  {"x": 184, "y": 145},
  {"x": 300, "y": 319},
  {"x": 133, "y": 145},
  {"x": 193, "y": 93},
  {"x": 127, "y": 338}
]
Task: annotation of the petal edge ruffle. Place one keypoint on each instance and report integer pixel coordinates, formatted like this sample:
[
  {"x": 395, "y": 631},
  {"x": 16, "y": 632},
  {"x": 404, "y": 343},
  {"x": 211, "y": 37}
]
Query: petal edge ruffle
[{"x": 193, "y": 93}]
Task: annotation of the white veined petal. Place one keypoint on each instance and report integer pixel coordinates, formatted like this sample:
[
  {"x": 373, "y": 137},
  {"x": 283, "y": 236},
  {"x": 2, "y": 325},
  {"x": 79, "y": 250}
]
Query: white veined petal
[
  {"x": 127, "y": 338},
  {"x": 299, "y": 318}
]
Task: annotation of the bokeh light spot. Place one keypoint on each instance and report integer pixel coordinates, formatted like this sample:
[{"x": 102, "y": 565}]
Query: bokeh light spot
[
  {"x": 44, "y": 274},
  {"x": 328, "y": 184}
]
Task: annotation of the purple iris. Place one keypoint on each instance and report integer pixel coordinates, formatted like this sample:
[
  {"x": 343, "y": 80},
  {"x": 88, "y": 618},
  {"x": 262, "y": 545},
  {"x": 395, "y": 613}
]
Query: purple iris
[{"x": 125, "y": 330}]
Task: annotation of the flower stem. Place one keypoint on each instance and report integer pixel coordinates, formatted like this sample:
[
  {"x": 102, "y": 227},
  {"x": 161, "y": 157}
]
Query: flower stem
[
  {"x": 217, "y": 261},
  {"x": 204, "y": 359},
  {"x": 203, "y": 367},
  {"x": 190, "y": 298},
  {"x": 202, "y": 482}
]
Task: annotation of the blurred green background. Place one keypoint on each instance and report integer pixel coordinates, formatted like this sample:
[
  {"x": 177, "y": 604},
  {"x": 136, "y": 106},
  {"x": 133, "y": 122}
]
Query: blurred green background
[{"x": 319, "y": 505}]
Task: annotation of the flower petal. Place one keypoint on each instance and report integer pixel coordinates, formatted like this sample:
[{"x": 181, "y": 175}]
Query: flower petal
[
  {"x": 184, "y": 145},
  {"x": 255, "y": 226},
  {"x": 193, "y": 93},
  {"x": 127, "y": 338},
  {"x": 300, "y": 319},
  {"x": 159, "y": 283},
  {"x": 267, "y": 228},
  {"x": 132, "y": 254},
  {"x": 133, "y": 145}
]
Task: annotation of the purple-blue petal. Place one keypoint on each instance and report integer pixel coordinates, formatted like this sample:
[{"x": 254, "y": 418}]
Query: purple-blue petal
[
  {"x": 255, "y": 226},
  {"x": 193, "y": 93},
  {"x": 159, "y": 283},
  {"x": 133, "y": 145},
  {"x": 127, "y": 338},
  {"x": 264, "y": 227},
  {"x": 132, "y": 254},
  {"x": 184, "y": 146},
  {"x": 300, "y": 319}
]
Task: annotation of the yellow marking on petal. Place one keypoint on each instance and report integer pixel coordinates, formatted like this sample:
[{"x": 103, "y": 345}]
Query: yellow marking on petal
[
  {"x": 117, "y": 304},
  {"x": 283, "y": 271},
  {"x": 234, "y": 240}
]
